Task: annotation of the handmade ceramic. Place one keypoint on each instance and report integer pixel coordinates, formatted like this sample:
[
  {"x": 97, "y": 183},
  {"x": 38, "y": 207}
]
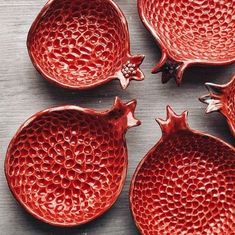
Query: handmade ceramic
[
  {"x": 190, "y": 32},
  {"x": 80, "y": 44},
  {"x": 67, "y": 165},
  {"x": 185, "y": 184},
  {"x": 222, "y": 99}
]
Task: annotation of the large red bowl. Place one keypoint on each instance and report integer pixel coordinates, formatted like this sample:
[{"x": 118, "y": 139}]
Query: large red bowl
[
  {"x": 67, "y": 165},
  {"x": 185, "y": 184},
  {"x": 222, "y": 99},
  {"x": 190, "y": 32},
  {"x": 80, "y": 44}
]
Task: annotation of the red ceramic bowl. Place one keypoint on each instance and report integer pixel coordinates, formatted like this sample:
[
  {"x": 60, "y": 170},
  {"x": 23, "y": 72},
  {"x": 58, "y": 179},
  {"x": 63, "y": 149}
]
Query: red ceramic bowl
[
  {"x": 67, "y": 165},
  {"x": 80, "y": 44},
  {"x": 222, "y": 99},
  {"x": 185, "y": 184},
  {"x": 190, "y": 32}
]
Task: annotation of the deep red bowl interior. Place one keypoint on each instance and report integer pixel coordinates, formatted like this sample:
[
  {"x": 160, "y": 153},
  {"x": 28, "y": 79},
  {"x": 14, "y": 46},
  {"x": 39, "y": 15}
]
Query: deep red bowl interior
[
  {"x": 185, "y": 185},
  {"x": 66, "y": 167},
  {"x": 194, "y": 31},
  {"x": 79, "y": 44}
]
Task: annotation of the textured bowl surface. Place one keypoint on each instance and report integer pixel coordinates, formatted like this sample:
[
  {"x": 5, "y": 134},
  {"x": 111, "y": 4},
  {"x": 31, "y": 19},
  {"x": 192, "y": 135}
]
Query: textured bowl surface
[
  {"x": 185, "y": 184},
  {"x": 200, "y": 31},
  {"x": 80, "y": 44},
  {"x": 222, "y": 99},
  {"x": 67, "y": 165}
]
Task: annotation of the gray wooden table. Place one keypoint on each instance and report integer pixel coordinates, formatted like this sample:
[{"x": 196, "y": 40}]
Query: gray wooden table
[{"x": 23, "y": 93}]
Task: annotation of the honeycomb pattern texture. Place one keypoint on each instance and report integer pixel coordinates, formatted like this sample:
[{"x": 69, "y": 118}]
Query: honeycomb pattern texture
[
  {"x": 186, "y": 186},
  {"x": 193, "y": 30},
  {"x": 79, "y": 43},
  {"x": 67, "y": 166}
]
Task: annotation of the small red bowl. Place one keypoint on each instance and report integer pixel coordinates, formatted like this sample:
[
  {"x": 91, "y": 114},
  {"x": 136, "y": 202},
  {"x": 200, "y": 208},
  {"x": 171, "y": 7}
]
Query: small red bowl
[
  {"x": 222, "y": 99},
  {"x": 67, "y": 165},
  {"x": 80, "y": 44},
  {"x": 185, "y": 184},
  {"x": 190, "y": 32}
]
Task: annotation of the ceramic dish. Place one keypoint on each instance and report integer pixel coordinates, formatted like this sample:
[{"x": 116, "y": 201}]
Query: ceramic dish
[
  {"x": 185, "y": 184},
  {"x": 67, "y": 165},
  {"x": 190, "y": 32},
  {"x": 80, "y": 44},
  {"x": 222, "y": 99}
]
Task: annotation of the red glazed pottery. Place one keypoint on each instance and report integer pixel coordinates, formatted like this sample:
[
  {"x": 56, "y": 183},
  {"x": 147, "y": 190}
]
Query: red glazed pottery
[
  {"x": 222, "y": 99},
  {"x": 67, "y": 165},
  {"x": 190, "y": 32},
  {"x": 185, "y": 184},
  {"x": 80, "y": 44}
]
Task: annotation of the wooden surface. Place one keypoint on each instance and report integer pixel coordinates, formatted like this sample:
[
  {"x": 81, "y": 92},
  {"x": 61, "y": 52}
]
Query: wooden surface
[{"x": 23, "y": 93}]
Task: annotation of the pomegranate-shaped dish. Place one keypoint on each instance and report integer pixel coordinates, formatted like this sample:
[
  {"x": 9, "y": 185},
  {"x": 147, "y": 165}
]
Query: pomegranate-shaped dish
[
  {"x": 185, "y": 184},
  {"x": 67, "y": 165},
  {"x": 81, "y": 44},
  {"x": 190, "y": 32},
  {"x": 222, "y": 99}
]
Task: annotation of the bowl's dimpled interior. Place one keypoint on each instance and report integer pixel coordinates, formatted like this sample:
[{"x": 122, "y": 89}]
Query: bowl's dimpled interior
[
  {"x": 186, "y": 186},
  {"x": 200, "y": 29},
  {"x": 67, "y": 167},
  {"x": 79, "y": 42}
]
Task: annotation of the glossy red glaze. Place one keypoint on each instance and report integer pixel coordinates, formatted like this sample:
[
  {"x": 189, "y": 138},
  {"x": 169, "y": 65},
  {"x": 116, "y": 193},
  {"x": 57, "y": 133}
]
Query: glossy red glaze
[
  {"x": 67, "y": 165},
  {"x": 185, "y": 184},
  {"x": 80, "y": 44},
  {"x": 222, "y": 99},
  {"x": 190, "y": 32}
]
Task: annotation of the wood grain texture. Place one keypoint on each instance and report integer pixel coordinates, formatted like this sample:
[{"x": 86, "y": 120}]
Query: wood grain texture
[{"x": 23, "y": 93}]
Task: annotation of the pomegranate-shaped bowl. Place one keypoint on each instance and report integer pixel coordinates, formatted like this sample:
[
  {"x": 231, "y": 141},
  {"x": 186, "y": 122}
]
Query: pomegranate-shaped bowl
[
  {"x": 67, "y": 165},
  {"x": 222, "y": 99},
  {"x": 185, "y": 184},
  {"x": 190, "y": 32},
  {"x": 80, "y": 44}
]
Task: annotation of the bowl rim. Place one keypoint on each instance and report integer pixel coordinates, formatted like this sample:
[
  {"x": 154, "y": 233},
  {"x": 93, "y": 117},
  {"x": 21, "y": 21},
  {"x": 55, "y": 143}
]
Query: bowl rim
[
  {"x": 152, "y": 149},
  {"x": 28, "y": 209},
  {"x": 166, "y": 52},
  {"x": 53, "y": 80}
]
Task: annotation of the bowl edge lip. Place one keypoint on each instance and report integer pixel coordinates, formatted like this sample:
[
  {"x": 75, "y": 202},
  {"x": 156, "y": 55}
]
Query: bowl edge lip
[
  {"x": 164, "y": 49},
  {"x": 28, "y": 122},
  {"x": 54, "y": 81},
  {"x": 139, "y": 165}
]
